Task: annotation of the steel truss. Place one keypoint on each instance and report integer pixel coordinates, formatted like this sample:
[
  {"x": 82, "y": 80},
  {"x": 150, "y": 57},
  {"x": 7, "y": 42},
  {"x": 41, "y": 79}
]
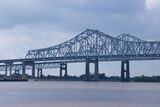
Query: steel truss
[
  {"x": 90, "y": 46},
  {"x": 96, "y": 44}
]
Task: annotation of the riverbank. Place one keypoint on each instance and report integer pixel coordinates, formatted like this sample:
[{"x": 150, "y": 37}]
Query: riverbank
[{"x": 107, "y": 79}]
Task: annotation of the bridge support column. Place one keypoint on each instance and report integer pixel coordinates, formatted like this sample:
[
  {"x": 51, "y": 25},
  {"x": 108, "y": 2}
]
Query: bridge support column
[
  {"x": 125, "y": 73},
  {"x": 33, "y": 70},
  {"x": 60, "y": 74},
  {"x": 8, "y": 64},
  {"x": 87, "y": 70},
  {"x": 23, "y": 69},
  {"x": 96, "y": 70},
  {"x": 63, "y": 66},
  {"x": 6, "y": 69},
  {"x": 39, "y": 73},
  {"x": 38, "y": 70},
  {"x": 10, "y": 69}
]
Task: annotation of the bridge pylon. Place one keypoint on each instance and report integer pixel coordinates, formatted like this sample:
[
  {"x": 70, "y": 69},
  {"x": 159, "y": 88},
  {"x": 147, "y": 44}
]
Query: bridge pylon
[
  {"x": 39, "y": 73},
  {"x": 8, "y": 64},
  {"x": 23, "y": 69},
  {"x": 30, "y": 63},
  {"x": 87, "y": 70},
  {"x": 33, "y": 70},
  {"x": 63, "y": 66},
  {"x": 125, "y": 71}
]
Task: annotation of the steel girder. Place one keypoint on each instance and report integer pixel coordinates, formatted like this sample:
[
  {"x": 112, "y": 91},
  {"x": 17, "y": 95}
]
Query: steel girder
[{"x": 42, "y": 65}]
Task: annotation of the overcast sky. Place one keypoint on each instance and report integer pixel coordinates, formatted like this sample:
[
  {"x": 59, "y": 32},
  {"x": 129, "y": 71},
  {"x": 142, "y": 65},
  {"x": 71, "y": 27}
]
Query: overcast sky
[{"x": 34, "y": 24}]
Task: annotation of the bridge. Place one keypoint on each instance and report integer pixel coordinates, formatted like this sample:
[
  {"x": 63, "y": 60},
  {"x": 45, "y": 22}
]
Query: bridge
[{"x": 90, "y": 46}]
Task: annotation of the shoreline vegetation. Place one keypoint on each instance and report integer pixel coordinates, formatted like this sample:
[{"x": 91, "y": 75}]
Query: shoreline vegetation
[
  {"x": 109, "y": 79},
  {"x": 102, "y": 77}
]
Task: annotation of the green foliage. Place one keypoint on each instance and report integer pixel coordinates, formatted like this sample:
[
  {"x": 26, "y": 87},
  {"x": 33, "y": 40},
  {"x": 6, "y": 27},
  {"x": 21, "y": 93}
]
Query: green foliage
[
  {"x": 143, "y": 78},
  {"x": 82, "y": 77}
]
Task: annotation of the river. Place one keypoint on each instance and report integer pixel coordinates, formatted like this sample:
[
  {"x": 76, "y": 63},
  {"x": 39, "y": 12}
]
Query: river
[{"x": 79, "y": 94}]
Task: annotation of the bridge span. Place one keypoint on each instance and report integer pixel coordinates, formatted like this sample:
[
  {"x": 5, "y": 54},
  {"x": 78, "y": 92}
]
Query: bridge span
[{"x": 90, "y": 46}]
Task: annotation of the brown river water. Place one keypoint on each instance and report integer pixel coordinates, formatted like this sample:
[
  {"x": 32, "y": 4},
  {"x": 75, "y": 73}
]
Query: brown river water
[{"x": 79, "y": 94}]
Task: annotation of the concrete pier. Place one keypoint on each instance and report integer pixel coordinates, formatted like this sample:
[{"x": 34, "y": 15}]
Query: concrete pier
[
  {"x": 125, "y": 71},
  {"x": 23, "y": 69},
  {"x": 33, "y": 70},
  {"x": 63, "y": 66},
  {"x": 87, "y": 71},
  {"x": 6, "y": 69},
  {"x": 39, "y": 73}
]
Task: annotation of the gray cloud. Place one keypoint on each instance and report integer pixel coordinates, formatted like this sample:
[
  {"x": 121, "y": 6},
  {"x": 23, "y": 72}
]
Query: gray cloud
[
  {"x": 37, "y": 11},
  {"x": 110, "y": 6}
]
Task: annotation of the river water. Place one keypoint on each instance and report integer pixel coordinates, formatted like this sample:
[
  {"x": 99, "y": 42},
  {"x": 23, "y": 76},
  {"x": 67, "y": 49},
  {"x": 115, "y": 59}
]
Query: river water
[{"x": 79, "y": 94}]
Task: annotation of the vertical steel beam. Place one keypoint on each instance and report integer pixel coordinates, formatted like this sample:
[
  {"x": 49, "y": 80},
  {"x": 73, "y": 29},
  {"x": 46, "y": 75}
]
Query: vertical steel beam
[
  {"x": 33, "y": 70},
  {"x": 6, "y": 69},
  {"x": 60, "y": 71},
  {"x": 10, "y": 69},
  {"x": 41, "y": 73},
  {"x": 23, "y": 69},
  {"x": 37, "y": 73}
]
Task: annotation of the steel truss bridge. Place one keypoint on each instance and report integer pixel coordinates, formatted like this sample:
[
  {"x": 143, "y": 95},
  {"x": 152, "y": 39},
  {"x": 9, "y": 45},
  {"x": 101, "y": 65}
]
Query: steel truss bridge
[{"x": 90, "y": 46}]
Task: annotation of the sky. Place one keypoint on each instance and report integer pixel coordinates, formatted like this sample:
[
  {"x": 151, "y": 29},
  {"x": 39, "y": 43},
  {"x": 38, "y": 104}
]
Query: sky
[{"x": 34, "y": 24}]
